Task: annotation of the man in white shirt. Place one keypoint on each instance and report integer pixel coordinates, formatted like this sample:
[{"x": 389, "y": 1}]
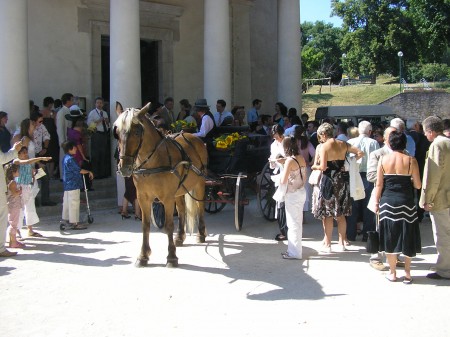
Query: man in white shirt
[
  {"x": 342, "y": 131},
  {"x": 100, "y": 141},
  {"x": 253, "y": 115},
  {"x": 62, "y": 124},
  {"x": 366, "y": 145},
  {"x": 207, "y": 122},
  {"x": 222, "y": 117}
]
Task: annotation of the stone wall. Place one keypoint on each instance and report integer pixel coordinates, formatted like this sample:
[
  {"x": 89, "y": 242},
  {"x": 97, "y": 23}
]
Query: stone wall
[{"x": 420, "y": 104}]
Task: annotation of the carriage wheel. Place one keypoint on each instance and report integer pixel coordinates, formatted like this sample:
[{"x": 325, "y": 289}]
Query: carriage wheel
[
  {"x": 264, "y": 193},
  {"x": 239, "y": 198},
  {"x": 211, "y": 196},
  {"x": 281, "y": 219},
  {"x": 159, "y": 215}
]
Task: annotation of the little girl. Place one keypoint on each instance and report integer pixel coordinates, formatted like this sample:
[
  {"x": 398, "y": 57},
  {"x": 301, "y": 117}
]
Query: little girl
[
  {"x": 25, "y": 180},
  {"x": 14, "y": 202}
]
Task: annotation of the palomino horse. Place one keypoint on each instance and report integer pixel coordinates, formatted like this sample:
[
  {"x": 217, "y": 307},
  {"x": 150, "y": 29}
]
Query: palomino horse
[{"x": 171, "y": 169}]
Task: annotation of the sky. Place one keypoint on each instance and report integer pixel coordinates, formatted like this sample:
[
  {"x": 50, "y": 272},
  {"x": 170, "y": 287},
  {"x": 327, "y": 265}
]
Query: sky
[{"x": 318, "y": 10}]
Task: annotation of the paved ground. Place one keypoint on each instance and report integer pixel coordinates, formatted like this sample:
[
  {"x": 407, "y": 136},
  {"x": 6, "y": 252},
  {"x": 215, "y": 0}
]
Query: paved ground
[{"x": 84, "y": 283}]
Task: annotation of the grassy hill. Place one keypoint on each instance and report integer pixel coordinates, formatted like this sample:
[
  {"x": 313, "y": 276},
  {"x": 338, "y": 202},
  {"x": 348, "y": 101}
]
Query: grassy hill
[
  {"x": 348, "y": 95},
  {"x": 353, "y": 94}
]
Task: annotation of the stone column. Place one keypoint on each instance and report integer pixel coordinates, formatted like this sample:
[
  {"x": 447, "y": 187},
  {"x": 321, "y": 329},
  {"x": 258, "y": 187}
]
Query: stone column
[
  {"x": 217, "y": 69},
  {"x": 289, "y": 64},
  {"x": 125, "y": 64},
  {"x": 241, "y": 63},
  {"x": 14, "y": 61}
]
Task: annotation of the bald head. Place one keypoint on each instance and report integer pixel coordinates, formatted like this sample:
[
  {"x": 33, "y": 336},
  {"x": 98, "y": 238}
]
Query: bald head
[{"x": 386, "y": 134}]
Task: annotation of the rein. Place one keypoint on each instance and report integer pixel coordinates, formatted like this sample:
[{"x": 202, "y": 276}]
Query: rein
[{"x": 185, "y": 162}]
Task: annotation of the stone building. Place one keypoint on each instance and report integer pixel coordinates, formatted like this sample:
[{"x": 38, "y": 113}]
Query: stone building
[{"x": 138, "y": 51}]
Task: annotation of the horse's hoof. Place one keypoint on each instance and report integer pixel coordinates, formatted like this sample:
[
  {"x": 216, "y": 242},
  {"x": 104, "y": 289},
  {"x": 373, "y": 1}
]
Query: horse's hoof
[
  {"x": 140, "y": 263},
  {"x": 172, "y": 263},
  {"x": 201, "y": 239},
  {"x": 179, "y": 241}
]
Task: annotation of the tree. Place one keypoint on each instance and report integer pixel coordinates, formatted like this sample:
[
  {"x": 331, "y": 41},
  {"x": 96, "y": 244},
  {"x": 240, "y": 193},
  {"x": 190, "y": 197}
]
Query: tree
[
  {"x": 375, "y": 30},
  {"x": 432, "y": 21},
  {"x": 435, "y": 71},
  {"x": 321, "y": 52}
]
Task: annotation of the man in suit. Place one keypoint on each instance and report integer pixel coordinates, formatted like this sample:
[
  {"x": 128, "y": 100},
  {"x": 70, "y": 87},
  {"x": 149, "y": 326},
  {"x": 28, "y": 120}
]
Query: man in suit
[
  {"x": 312, "y": 132},
  {"x": 435, "y": 196},
  {"x": 167, "y": 111},
  {"x": 100, "y": 140}
]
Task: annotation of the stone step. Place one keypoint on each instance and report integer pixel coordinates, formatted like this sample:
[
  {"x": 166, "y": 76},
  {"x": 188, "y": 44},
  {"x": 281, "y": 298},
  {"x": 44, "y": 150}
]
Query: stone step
[{"x": 104, "y": 196}]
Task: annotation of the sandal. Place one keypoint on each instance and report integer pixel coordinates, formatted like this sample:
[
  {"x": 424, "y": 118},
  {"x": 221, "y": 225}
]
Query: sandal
[
  {"x": 286, "y": 256},
  {"x": 34, "y": 235},
  {"x": 78, "y": 226},
  {"x": 280, "y": 237},
  {"x": 16, "y": 244},
  {"x": 407, "y": 280},
  {"x": 387, "y": 277}
]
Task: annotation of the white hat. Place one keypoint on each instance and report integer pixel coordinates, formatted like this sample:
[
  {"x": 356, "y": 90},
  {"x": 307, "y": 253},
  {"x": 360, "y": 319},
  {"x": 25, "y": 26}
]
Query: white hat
[{"x": 76, "y": 107}]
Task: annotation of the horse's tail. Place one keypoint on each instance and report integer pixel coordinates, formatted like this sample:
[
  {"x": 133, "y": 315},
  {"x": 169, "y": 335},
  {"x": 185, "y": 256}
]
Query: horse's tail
[{"x": 192, "y": 212}]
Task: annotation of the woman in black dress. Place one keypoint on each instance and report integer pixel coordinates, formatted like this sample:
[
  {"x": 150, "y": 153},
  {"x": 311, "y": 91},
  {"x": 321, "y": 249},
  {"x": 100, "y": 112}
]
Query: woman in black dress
[{"x": 398, "y": 174}]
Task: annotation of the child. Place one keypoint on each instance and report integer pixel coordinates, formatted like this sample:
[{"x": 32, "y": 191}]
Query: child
[
  {"x": 26, "y": 180},
  {"x": 73, "y": 182},
  {"x": 14, "y": 201}
]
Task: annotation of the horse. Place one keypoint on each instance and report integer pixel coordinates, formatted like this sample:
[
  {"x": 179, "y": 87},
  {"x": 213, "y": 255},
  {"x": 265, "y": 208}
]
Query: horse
[{"x": 169, "y": 168}]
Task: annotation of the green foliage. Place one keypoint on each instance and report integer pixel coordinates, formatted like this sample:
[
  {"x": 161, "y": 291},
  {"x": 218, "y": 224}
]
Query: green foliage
[
  {"x": 321, "y": 53},
  {"x": 435, "y": 71},
  {"x": 375, "y": 30},
  {"x": 414, "y": 73},
  {"x": 432, "y": 21}
]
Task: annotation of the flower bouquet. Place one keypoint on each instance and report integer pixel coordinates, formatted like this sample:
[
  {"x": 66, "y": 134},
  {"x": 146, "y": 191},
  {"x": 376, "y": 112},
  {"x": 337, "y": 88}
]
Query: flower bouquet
[
  {"x": 92, "y": 128},
  {"x": 179, "y": 125},
  {"x": 227, "y": 142}
]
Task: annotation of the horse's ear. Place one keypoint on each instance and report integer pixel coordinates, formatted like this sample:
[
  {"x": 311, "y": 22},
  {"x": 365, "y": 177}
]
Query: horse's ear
[
  {"x": 119, "y": 108},
  {"x": 145, "y": 109}
]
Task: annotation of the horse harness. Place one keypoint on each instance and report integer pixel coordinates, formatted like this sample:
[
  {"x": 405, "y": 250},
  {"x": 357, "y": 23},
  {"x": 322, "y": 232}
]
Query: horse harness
[{"x": 186, "y": 162}]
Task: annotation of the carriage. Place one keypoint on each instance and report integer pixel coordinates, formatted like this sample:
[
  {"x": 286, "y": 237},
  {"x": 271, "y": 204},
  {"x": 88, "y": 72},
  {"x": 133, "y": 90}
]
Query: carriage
[{"x": 232, "y": 169}]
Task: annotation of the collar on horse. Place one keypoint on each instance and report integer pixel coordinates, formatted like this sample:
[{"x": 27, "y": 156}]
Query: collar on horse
[{"x": 164, "y": 140}]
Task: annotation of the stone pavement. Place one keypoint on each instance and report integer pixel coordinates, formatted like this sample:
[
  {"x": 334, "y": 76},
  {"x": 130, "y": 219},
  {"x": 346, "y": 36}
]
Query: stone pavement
[{"x": 84, "y": 283}]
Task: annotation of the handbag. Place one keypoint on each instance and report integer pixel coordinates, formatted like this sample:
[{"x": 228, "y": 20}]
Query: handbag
[
  {"x": 314, "y": 177},
  {"x": 372, "y": 202},
  {"x": 373, "y": 240}
]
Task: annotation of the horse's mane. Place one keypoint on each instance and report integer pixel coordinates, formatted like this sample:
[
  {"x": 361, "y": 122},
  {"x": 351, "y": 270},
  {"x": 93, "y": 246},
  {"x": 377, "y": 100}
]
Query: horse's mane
[{"x": 126, "y": 119}]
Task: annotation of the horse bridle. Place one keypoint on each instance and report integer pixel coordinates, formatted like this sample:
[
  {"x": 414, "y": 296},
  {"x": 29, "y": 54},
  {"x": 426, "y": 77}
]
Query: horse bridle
[{"x": 135, "y": 154}]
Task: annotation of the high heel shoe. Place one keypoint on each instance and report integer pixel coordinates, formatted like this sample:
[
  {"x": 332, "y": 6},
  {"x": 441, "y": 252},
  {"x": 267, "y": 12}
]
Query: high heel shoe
[
  {"x": 137, "y": 218},
  {"x": 125, "y": 216}
]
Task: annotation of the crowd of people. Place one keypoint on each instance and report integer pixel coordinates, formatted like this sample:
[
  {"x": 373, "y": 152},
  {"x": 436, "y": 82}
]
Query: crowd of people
[
  {"x": 51, "y": 144},
  {"x": 403, "y": 169},
  {"x": 371, "y": 177}
]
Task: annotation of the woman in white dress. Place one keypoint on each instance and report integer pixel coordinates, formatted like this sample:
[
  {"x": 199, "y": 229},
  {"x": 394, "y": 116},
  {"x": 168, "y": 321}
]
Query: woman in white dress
[{"x": 294, "y": 176}]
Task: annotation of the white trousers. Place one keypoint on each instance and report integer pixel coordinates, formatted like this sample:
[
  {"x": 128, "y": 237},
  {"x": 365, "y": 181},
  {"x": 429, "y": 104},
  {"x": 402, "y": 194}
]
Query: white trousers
[
  {"x": 29, "y": 207},
  {"x": 294, "y": 202},
  {"x": 440, "y": 221},
  {"x": 71, "y": 206}
]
